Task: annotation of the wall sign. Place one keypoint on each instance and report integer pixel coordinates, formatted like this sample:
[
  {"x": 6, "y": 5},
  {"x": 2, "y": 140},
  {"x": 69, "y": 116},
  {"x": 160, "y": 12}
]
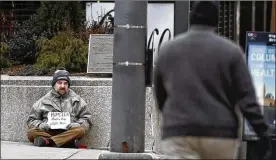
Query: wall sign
[{"x": 100, "y": 53}]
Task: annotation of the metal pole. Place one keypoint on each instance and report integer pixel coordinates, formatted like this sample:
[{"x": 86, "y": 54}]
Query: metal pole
[
  {"x": 128, "y": 84},
  {"x": 273, "y": 17},
  {"x": 265, "y": 12},
  {"x": 237, "y": 22},
  {"x": 253, "y": 15},
  {"x": 219, "y": 15},
  {"x": 181, "y": 16}
]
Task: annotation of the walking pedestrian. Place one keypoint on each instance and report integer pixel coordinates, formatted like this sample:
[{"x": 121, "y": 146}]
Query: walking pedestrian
[{"x": 199, "y": 79}]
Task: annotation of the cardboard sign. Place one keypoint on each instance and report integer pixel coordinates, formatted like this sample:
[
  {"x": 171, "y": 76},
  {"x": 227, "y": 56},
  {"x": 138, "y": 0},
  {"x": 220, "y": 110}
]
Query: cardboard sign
[{"x": 58, "y": 120}]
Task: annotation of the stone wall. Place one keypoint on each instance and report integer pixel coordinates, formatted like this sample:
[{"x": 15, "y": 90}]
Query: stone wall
[{"x": 18, "y": 93}]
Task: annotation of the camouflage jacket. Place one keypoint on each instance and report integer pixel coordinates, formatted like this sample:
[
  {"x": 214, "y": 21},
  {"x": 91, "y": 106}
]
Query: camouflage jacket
[{"x": 53, "y": 102}]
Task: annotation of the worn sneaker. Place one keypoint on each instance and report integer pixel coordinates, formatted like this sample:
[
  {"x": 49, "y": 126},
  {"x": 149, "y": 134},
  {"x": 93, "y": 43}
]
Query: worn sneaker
[
  {"x": 75, "y": 143},
  {"x": 41, "y": 141},
  {"x": 79, "y": 145}
]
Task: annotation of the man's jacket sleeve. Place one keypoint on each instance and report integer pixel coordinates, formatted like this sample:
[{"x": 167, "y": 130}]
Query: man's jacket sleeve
[
  {"x": 34, "y": 119},
  {"x": 84, "y": 115},
  {"x": 246, "y": 96}
]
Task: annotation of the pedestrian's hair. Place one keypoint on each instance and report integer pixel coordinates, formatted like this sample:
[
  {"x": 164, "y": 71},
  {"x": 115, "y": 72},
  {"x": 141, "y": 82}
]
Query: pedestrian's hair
[{"x": 205, "y": 13}]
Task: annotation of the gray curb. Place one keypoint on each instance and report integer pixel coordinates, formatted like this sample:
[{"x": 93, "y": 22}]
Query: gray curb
[{"x": 113, "y": 155}]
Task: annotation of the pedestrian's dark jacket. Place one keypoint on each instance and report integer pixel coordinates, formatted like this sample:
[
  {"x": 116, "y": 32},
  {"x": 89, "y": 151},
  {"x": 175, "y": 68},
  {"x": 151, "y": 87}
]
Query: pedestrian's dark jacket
[{"x": 199, "y": 79}]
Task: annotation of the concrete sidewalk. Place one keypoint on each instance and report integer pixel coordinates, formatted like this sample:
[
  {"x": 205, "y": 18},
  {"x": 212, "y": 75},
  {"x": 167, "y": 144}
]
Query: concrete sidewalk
[
  {"x": 20, "y": 150},
  {"x": 24, "y": 150}
]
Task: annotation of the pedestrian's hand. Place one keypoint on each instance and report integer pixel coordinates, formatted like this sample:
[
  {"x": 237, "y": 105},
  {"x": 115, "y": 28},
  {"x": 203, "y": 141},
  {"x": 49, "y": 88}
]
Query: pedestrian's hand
[
  {"x": 73, "y": 125},
  {"x": 44, "y": 126}
]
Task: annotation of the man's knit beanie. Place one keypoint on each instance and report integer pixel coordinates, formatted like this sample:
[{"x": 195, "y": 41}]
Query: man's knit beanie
[{"x": 61, "y": 74}]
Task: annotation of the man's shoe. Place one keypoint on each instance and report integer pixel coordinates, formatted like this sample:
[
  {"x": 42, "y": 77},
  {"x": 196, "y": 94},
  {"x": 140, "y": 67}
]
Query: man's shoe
[
  {"x": 74, "y": 143},
  {"x": 41, "y": 141},
  {"x": 71, "y": 144},
  {"x": 79, "y": 145}
]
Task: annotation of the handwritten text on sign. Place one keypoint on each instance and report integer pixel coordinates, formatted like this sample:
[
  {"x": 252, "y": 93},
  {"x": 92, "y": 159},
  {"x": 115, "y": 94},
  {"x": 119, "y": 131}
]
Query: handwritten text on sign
[{"x": 58, "y": 120}]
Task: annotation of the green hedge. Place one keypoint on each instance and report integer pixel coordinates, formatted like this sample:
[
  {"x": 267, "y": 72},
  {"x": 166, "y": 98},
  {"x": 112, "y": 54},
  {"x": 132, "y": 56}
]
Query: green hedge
[
  {"x": 22, "y": 45},
  {"x": 4, "y": 61},
  {"x": 63, "y": 50}
]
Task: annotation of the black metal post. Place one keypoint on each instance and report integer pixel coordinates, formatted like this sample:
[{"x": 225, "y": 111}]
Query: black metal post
[
  {"x": 128, "y": 86},
  {"x": 181, "y": 16}
]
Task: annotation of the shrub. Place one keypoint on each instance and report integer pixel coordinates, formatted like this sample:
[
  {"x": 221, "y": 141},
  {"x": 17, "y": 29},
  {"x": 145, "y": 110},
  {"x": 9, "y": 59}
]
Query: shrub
[
  {"x": 63, "y": 50},
  {"x": 22, "y": 45},
  {"x": 84, "y": 32},
  {"x": 3, "y": 48},
  {"x": 50, "y": 18},
  {"x": 5, "y": 62},
  {"x": 55, "y": 16},
  {"x": 104, "y": 26}
]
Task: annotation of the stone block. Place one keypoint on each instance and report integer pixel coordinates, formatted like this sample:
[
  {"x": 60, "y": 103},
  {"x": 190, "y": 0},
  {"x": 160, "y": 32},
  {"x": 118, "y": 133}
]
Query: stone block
[{"x": 19, "y": 93}]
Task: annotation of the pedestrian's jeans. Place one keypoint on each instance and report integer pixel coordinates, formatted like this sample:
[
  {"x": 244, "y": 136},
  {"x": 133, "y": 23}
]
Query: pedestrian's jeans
[{"x": 199, "y": 148}]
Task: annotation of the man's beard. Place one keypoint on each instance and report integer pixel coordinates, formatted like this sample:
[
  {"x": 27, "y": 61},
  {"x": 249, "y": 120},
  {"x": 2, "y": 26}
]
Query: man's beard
[{"x": 62, "y": 91}]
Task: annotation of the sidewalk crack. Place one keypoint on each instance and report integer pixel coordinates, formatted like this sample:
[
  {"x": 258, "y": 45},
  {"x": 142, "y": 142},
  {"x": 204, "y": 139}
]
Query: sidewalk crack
[{"x": 73, "y": 154}]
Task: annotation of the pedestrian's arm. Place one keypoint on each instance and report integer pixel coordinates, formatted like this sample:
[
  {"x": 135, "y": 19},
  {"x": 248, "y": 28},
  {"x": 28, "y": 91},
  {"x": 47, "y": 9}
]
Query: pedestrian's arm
[
  {"x": 34, "y": 119},
  {"x": 159, "y": 88},
  {"x": 246, "y": 96},
  {"x": 160, "y": 92}
]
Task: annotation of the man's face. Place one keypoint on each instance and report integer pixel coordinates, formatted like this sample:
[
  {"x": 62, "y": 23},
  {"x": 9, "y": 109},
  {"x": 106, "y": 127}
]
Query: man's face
[{"x": 61, "y": 87}]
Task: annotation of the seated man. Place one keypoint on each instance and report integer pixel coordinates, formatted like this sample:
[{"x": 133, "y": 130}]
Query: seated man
[{"x": 60, "y": 99}]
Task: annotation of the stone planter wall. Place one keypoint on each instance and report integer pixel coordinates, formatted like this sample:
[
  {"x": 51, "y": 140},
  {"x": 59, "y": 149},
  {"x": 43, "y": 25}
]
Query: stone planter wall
[{"x": 18, "y": 93}]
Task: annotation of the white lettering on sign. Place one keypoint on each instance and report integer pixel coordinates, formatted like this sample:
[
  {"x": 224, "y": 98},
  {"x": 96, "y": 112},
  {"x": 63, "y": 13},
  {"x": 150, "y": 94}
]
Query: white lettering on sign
[
  {"x": 272, "y": 40},
  {"x": 58, "y": 120},
  {"x": 272, "y": 35},
  {"x": 263, "y": 72},
  {"x": 263, "y": 57},
  {"x": 250, "y": 34}
]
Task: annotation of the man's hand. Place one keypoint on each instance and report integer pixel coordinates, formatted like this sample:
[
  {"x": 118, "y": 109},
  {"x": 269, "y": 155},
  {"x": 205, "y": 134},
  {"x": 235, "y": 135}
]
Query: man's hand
[
  {"x": 72, "y": 125},
  {"x": 44, "y": 126}
]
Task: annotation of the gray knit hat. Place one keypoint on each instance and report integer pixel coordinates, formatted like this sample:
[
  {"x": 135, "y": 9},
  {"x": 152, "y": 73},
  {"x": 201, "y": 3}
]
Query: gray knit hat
[{"x": 61, "y": 74}]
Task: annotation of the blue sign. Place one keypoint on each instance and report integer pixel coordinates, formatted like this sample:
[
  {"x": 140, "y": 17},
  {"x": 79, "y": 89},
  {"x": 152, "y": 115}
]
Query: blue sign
[{"x": 260, "y": 51}]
